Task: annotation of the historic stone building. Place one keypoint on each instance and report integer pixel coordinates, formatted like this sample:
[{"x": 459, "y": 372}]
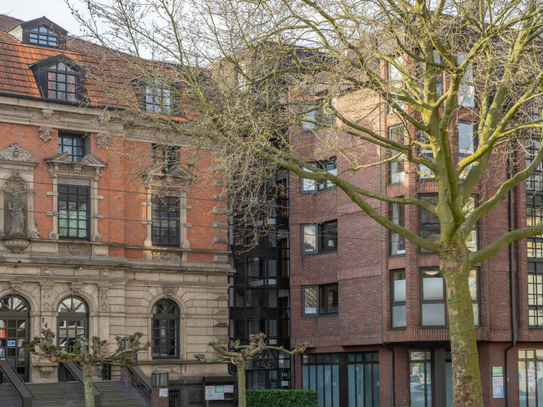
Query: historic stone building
[{"x": 105, "y": 230}]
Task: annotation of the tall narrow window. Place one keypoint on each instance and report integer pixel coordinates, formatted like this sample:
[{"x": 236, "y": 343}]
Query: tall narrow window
[
  {"x": 396, "y": 167},
  {"x": 72, "y": 322},
  {"x": 397, "y": 241},
  {"x": 363, "y": 379},
  {"x": 467, "y": 142},
  {"x": 73, "y": 211},
  {"x": 425, "y": 151},
  {"x": 433, "y": 298},
  {"x": 165, "y": 220},
  {"x": 535, "y": 294},
  {"x": 165, "y": 330},
  {"x": 429, "y": 224},
  {"x": 309, "y": 117},
  {"x": 398, "y": 299},
  {"x": 396, "y": 82},
  {"x": 473, "y": 282},
  {"x": 466, "y": 92},
  {"x": 534, "y": 181},
  {"x": 534, "y": 215},
  {"x": 420, "y": 378},
  {"x": 74, "y": 145}
]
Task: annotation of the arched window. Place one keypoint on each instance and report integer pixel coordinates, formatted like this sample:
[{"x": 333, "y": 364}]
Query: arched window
[
  {"x": 14, "y": 313},
  {"x": 165, "y": 330},
  {"x": 73, "y": 322}
]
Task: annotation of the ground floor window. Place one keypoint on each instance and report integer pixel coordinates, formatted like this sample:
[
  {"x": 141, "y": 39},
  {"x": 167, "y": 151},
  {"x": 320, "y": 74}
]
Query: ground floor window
[
  {"x": 364, "y": 380},
  {"x": 530, "y": 377},
  {"x": 357, "y": 374},
  {"x": 427, "y": 368},
  {"x": 321, "y": 373}
]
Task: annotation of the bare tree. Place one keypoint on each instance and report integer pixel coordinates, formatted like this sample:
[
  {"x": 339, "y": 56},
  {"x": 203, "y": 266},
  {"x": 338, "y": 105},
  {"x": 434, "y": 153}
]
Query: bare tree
[
  {"x": 87, "y": 356},
  {"x": 239, "y": 355},
  {"x": 251, "y": 70}
]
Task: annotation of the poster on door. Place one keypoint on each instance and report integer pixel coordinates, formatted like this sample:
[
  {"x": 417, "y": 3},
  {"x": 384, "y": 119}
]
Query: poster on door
[{"x": 497, "y": 387}]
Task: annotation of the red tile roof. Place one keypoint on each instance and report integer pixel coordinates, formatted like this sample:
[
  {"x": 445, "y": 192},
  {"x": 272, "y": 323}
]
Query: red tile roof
[
  {"x": 107, "y": 75},
  {"x": 7, "y": 22}
]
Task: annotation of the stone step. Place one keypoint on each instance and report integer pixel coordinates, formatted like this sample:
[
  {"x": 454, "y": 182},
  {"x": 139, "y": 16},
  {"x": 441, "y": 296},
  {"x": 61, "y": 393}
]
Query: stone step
[{"x": 114, "y": 394}]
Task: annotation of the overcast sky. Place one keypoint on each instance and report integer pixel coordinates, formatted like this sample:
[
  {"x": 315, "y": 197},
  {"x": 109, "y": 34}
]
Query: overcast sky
[{"x": 54, "y": 10}]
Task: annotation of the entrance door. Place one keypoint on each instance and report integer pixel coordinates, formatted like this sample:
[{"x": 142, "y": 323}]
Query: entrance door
[
  {"x": 14, "y": 319},
  {"x": 72, "y": 324}
]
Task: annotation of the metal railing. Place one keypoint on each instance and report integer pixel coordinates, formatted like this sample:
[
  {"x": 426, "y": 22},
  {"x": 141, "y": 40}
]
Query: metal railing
[
  {"x": 76, "y": 371},
  {"x": 141, "y": 381},
  {"x": 16, "y": 382}
]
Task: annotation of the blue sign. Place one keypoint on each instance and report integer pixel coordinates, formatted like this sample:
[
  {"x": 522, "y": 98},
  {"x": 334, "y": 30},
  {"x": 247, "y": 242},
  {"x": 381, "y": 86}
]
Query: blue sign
[{"x": 11, "y": 344}]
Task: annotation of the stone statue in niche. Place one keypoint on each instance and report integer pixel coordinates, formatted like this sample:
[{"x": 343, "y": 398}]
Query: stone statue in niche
[{"x": 15, "y": 208}]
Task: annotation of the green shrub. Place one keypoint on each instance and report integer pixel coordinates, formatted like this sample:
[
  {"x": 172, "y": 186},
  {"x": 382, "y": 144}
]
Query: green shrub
[{"x": 282, "y": 398}]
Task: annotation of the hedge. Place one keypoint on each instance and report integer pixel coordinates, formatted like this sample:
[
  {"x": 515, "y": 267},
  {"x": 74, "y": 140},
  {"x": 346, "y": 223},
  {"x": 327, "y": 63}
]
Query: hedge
[{"x": 282, "y": 398}]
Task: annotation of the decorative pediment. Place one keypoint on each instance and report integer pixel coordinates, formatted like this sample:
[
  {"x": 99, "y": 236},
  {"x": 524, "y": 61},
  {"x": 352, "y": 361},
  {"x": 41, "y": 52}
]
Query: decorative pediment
[
  {"x": 177, "y": 177},
  {"x": 90, "y": 166},
  {"x": 16, "y": 153}
]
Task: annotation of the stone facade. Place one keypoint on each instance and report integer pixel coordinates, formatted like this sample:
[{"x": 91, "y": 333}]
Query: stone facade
[{"x": 116, "y": 269}]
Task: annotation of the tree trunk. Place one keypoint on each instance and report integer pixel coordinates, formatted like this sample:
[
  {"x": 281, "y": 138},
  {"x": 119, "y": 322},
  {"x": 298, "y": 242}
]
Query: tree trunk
[
  {"x": 467, "y": 390},
  {"x": 89, "y": 385},
  {"x": 242, "y": 396}
]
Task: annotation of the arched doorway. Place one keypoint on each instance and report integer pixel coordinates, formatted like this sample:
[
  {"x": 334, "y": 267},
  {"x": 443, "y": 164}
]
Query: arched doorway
[
  {"x": 73, "y": 322},
  {"x": 14, "y": 326}
]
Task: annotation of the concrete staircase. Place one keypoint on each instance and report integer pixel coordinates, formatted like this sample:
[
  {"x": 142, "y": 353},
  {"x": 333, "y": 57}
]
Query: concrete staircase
[{"x": 114, "y": 394}]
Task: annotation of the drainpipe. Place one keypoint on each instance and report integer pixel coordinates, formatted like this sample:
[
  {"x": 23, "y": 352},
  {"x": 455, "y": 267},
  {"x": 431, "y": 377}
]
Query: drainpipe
[
  {"x": 382, "y": 269},
  {"x": 512, "y": 290}
]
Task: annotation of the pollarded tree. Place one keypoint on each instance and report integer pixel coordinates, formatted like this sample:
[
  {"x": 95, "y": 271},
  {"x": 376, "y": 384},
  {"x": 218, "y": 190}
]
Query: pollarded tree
[
  {"x": 87, "y": 356},
  {"x": 342, "y": 65},
  {"x": 239, "y": 355}
]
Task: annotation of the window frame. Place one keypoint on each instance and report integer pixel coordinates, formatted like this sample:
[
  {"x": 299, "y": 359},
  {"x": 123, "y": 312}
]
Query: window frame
[
  {"x": 398, "y": 162},
  {"x": 401, "y": 222},
  {"x": 425, "y": 153},
  {"x": 395, "y": 304},
  {"x": 466, "y": 90},
  {"x": 165, "y": 201},
  {"x": 320, "y": 290},
  {"x": 166, "y": 316},
  {"x": 321, "y": 231},
  {"x": 310, "y": 186},
  {"x": 319, "y": 113},
  {"x": 88, "y": 211},
  {"x": 85, "y": 144},
  {"x": 474, "y": 141},
  {"x": 430, "y": 302},
  {"x": 42, "y": 68}
]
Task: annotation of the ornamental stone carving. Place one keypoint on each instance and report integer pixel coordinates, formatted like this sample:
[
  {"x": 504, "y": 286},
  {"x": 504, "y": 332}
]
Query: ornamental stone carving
[
  {"x": 16, "y": 153},
  {"x": 168, "y": 291},
  {"x": 46, "y": 298},
  {"x": 104, "y": 300},
  {"x": 45, "y": 133},
  {"x": 75, "y": 287},
  {"x": 47, "y": 113},
  {"x": 102, "y": 140},
  {"x": 14, "y": 286},
  {"x": 45, "y": 371},
  {"x": 75, "y": 249},
  {"x": 166, "y": 256},
  {"x": 15, "y": 211}
]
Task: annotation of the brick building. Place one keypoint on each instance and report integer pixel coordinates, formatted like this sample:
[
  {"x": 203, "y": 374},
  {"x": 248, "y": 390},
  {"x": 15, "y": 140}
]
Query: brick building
[
  {"x": 105, "y": 229},
  {"x": 373, "y": 305}
]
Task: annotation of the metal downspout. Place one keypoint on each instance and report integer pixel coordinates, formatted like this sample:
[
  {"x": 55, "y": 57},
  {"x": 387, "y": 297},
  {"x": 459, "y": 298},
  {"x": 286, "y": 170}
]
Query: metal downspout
[
  {"x": 512, "y": 291},
  {"x": 382, "y": 269}
]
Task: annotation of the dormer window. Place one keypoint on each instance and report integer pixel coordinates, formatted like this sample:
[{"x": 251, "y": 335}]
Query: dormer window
[
  {"x": 43, "y": 36},
  {"x": 158, "y": 97},
  {"x": 41, "y": 31},
  {"x": 60, "y": 78}
]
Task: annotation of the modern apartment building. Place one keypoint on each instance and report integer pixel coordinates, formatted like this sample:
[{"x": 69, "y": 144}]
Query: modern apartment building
[{"x": 373, "y": 305}]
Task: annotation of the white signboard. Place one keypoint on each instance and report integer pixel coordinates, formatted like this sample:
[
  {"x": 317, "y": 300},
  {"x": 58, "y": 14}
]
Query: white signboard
[
  {"x": 163, "y": 392},
  {"x": 229, "y": 389},
  {"x": 497, "y": 387},
  {"x": 214, "y": 392}
]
